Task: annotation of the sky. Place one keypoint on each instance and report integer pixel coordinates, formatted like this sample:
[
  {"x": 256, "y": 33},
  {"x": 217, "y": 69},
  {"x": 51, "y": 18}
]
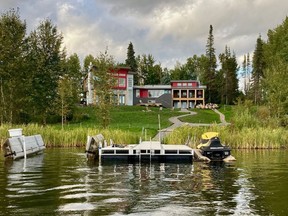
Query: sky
[{"x": 170, "y": 30}]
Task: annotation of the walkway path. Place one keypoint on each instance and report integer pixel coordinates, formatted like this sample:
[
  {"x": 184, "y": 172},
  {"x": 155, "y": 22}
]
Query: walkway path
[{"x": 177, "y": 123}]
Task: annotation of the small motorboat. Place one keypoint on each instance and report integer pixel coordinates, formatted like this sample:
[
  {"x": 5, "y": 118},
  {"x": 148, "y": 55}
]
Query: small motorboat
[{"x": 211, "y": 147}]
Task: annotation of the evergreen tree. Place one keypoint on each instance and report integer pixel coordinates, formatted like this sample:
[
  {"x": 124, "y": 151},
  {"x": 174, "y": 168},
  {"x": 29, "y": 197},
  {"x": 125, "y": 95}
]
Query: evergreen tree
[
  {"x": 131, "y": 61},
  {"x": 258, "y": 71},
  {"x": 244, "y": 74},
  {"x": 210, "y": 69},
  {"x": 229, "y": 83}
]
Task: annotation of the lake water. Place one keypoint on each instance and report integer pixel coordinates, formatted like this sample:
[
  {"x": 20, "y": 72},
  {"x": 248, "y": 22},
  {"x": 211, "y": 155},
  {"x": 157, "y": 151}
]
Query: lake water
[{"x": 63, "y": 182}]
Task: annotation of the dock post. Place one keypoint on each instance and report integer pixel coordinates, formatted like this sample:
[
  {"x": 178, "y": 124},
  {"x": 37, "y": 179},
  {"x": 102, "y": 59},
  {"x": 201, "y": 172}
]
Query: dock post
[{"x": 24, "y": 146}]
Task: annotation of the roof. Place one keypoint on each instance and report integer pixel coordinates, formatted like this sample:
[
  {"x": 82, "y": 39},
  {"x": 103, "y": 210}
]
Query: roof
[
  {"x": 153, "y": 87},
  {"x": 185, "y": 81}
]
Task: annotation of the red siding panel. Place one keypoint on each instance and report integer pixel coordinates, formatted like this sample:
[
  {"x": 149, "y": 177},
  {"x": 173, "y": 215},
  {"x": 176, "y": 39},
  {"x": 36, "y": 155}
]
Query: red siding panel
[{"x": 143, "y": 93}]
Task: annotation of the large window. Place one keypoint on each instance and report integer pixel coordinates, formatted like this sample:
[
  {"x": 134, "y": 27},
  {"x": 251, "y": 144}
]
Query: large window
[
  {"x": 157, "y": 93},
  {"x": 122, "y": 82}
]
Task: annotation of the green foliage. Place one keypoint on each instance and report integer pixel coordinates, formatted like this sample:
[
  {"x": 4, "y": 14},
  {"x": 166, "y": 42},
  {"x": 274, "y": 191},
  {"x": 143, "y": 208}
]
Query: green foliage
[
  {"x": 226, "y": 110},
  {"x": 275, "y": 73},
  {"x": 46, "y": 60},
  {"x": 258, "y": 72},
  {"x": 87, "y": 60},
  {"x": 65, "y": 100},
  {"x": 13, "y": 82},
  {"x": 187, "y": 71},
  {"x": 69, "y": 87},
  {"x": 228, "y": 81},
  {"x": 244, "y": 138},
  {"x": 166, "y": 78},
  {"x": 149, "y": 73},
  {"x": 103, "y": 83},
  {"x": 276, "y": 89},
  {"x": 124, "y": 128},
  {"x": 131, "y": 61},
  {"x": 209, "y": 73},
  {"x": 247, "y": 115},
  {"x": 277, "y": 44}
]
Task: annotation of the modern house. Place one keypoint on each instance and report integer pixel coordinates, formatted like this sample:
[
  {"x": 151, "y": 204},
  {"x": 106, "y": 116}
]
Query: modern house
[
  {"x": 179, "y": 94},
  {"x": 123, "y": 89}
]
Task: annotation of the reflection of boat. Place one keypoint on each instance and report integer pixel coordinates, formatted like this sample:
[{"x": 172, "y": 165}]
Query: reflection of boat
[
  {"x": 20, "y": 146},
  {"x": 144, "y": 151},
  {"x": 211, "y": 147}
]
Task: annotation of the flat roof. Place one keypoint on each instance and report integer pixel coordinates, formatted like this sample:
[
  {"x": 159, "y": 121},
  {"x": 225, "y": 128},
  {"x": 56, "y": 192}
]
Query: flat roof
[
  {"x": 153, "y": 87},
  {"x": 186, "y": 81}
]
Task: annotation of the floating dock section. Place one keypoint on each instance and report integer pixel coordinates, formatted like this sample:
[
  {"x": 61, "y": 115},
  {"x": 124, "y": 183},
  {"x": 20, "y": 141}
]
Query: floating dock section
[{"x": 20, "y": 146}]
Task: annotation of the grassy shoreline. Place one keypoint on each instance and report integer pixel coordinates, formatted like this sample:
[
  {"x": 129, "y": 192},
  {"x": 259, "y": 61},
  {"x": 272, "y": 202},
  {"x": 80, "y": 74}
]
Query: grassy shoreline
[
  {"x": 131, "y": 123},
  {"x": 128, "y": 124},
  {"x": 245, "y": 138}
]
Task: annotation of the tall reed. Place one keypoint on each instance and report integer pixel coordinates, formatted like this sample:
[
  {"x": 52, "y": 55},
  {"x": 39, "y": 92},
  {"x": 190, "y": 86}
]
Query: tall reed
[
  {"x": 245, "y": 138},
  {"x": 70, "y": 137}
]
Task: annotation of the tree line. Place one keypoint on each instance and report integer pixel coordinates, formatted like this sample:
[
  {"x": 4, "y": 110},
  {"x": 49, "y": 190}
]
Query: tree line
[{"x": 40, "y": 83}]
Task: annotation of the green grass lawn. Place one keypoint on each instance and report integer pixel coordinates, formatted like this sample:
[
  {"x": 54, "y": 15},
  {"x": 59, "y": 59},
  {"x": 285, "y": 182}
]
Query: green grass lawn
[
  {"x": 128, "y": 123},
  {"x": 203, "y": 116},
  {"x": 128, "y": 118}
]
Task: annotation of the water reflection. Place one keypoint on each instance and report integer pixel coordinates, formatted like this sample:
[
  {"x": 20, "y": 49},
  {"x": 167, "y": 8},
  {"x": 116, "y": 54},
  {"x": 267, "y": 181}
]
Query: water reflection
[{"x": 63, "y": 182}]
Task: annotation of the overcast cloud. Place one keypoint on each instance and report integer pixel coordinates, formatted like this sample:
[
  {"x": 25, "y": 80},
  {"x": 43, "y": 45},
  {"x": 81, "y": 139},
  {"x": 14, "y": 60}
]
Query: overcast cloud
[{"x": 170, "y": 30}]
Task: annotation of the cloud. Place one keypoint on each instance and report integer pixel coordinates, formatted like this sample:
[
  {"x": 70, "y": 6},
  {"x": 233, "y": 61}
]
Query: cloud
[{"x": 169, "y": 30}]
